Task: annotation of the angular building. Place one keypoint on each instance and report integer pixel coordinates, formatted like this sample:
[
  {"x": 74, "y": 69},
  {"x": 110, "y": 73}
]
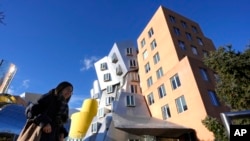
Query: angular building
[
  {"x": 177, "y": 86},
  {"x": 123, "y": 113},
  {"x": 158, "y": 92},
  {"x": 118, "y": 78}
]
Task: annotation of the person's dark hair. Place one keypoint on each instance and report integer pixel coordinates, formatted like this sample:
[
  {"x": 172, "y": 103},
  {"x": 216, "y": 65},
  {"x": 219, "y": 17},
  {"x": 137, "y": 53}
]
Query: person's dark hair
[{"x": 61, "y": 86}]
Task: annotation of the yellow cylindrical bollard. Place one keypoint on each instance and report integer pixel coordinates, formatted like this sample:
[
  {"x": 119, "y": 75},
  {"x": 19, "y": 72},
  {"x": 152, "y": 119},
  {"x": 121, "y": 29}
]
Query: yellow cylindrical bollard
[{"x": 81, "y": 121}]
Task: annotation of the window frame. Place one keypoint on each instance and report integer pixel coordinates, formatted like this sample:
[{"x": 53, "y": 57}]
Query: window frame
[
  {"x": 161, "y": 91},
  {"x": 149, "y": 81},
  {"x": 194, "y": 50},
  {"x": 94, "y": 127},
  {"x": 159, "y": 73},
  {"x": 114, "y": 58},
  {"x": 166, "y": 114},
  {"x": 132, "y": 63},
  {"x": 200, "y": 42},
  {"x": 150, "y": 32},
  {"x": 133, "y": 89},
  {"x": 147, "y": 67},
  {"x": 194, "y": 29},
  {"x": 110, "y": 89},
  {"x": 129, "y": 51},
  {"x": 130, "y": 101},
  {"x": 213, "y": 98},
  {"x": 177, "y": 83},
  {"x": 145, "y": 54},
  {"x": 150, "y": 98},
  {"x": 104, "y": 66},
  {"x": 172, "y": 19},
  {"x": 153, "y": 44},
  {"x": 156, "y": 58},
  {"x": 177, "y": 31},
  {"x": 107, "y": 77},
  {"x": 101, "y": 112},
  {"x": 182, "y": 45},
  {"x": 143, "y": 42},
  {"x": 204, "y": 74},
  {"x": 183, "y": 104},
  {"x": 109, "y": 100},
  {"x": 134, "y": 76},
  {"x": 189, "y": 36},
  {"x": 184, "y": 24},
  {"x": 118, "y": 70}
]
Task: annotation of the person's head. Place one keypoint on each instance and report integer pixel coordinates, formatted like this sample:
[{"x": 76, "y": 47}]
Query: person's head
[{"x": 64, "y": 89}]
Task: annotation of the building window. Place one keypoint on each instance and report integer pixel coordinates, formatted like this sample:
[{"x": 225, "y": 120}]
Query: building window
[
  {"x": 143, "y": 42},
  {"x": 188, "y": 35},
  {"x": 175, "y": 81},
  {"x": 177, "y": 31},
  {"x": 94, "y": 127},
  {"x": 184, "y": 24},
  {"x": 204, "y": 74},
  {"x": 150, "y": 81},
  {"x": 132, "y": 63},
  {"x": 134, "y": 76},
  {"x": 194, "y": 50},
  {"x": 150, "y": 32},
  {"x": 114, "y": 58},
  {"x": 165, "y": 112},
  {"x": 153, "y": 45},
  {"x": 147, "y": 67},
  {"x": 107, "y": 77},
  {"x": 133, "y": 89},
  {"x": 100, "y": 113},
  {"x": 145, "y": 54},
  {"x": 109, "y": 100},
  {"x": 172, "y": 18},
  {"x": 110, "y": 89},
  {"x": 182, "y": 45},
  {"x": 205, "y": 53},
  {"x": 118, "y": 70},
  {"x": 213, "y": 98},
  {"x": 199, "y": 41},
  {"x": 194, "y": 29},
  {"x": 151, "y": 99},
  {"x": 181, "y": 104},
  {"x": 104, "y": 66},
  {"x": 159, "y": 73},
  {"x": 156, "y": 58},
  {"x": 161, "y": 91},
  {"x": 129, "y": 51},
  {"x": 130, "y": 100}
]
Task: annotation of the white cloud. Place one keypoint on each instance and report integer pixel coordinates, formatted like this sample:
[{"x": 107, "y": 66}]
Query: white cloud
[
  {"x": 11, "y": 90},
  {"x": 14, "y": 89},
  {"x": 88, "y": 63},
  {"x": 25, "y": 83}
]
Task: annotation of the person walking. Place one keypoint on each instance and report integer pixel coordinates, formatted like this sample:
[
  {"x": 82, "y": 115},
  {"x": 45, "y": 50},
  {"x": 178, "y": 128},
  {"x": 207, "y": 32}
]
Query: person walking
[{"x": 48, "y": 115}]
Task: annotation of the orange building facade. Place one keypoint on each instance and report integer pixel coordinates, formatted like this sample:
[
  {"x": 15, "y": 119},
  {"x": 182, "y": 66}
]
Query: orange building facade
[{"x": 177, "y": 86}]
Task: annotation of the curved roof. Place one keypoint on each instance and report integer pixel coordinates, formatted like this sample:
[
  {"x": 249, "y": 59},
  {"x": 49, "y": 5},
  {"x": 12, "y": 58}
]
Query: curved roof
[{"x": 149, "y": 126}]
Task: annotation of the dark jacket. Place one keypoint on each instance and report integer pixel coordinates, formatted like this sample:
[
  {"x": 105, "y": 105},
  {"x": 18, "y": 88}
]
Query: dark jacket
[{"x": 47, "y": 111}]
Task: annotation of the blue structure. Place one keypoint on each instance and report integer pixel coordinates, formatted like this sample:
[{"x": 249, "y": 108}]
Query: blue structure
[{"x": 12, "y": 118}]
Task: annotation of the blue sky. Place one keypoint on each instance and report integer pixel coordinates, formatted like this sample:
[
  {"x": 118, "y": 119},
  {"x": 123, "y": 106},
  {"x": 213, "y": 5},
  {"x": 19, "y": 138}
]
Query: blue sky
[{"x": 56, "y": 40}]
